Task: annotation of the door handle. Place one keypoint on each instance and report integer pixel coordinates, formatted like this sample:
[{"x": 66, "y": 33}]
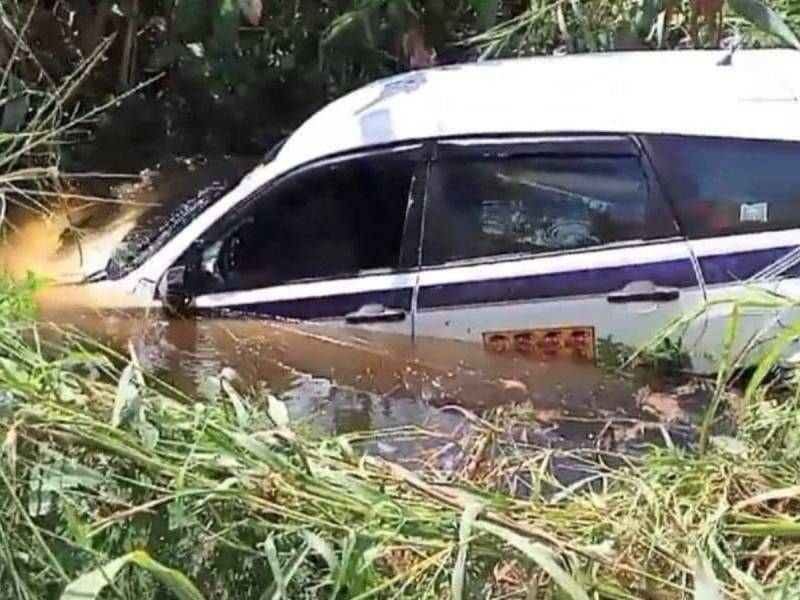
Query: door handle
[
  {"x": 375, "y": 313},
  {"x": 643, "y": 291}
]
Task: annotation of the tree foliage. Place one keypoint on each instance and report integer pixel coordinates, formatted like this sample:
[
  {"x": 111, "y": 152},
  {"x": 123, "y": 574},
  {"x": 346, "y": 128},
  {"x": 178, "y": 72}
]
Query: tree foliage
[{"x": 235, "y": 75}]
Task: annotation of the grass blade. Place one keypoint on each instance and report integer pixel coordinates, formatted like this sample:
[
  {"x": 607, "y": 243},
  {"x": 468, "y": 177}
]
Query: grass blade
[
  {"x": 706, "y": 586},
  {"x": 277, "y": 411},
  {"x": 768, "y": 496},
  {"x": 771, "y": 359},
  {"x": 128, "y": 402},
  {"x": 324, "y": 549},
  {"x": 540, "y": 555},
  {"x": 464, "y": 532},
  {"x": 766, "y": 19},
  {"x": 173, "y": 580},
  {"x": 90, "y": 585},
  {"x": 723, "y": 374}
]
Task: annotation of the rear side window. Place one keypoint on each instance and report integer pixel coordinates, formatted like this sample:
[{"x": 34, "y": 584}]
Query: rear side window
[
  {"x": 722, "y": 186},
  {"x": 483, "y": 207}
]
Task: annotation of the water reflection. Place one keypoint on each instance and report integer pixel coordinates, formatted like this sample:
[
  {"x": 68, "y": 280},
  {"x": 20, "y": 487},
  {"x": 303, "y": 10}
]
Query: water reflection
[{"x": 349, "y": 380}]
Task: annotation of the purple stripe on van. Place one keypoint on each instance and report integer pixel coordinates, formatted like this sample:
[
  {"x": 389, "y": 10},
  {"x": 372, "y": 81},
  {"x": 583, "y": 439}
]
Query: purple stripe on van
[
  {"x": 674, "y": 273},
  {"x": 726, "y": 268},
  {"x": 323, "y": 307}
]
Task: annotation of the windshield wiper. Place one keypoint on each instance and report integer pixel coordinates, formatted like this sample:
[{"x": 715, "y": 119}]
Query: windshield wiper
[{"x": 100, "y": 275}]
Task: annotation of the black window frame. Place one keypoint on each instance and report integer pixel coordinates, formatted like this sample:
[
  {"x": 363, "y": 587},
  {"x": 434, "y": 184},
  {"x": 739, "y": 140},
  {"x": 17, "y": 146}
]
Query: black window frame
[
  {"x": 554, "y": 145},
  {"x": 417, "y": 152}
]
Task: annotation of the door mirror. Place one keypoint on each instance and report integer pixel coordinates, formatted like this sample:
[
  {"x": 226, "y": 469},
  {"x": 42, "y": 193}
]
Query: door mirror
[
  {"x": 173, "y": 291},
  {"x": 182, "y": 282}
]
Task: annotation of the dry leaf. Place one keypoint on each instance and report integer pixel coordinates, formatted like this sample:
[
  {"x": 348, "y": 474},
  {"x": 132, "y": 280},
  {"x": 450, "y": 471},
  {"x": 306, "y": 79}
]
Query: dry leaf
[
  {"x": 708, "y": 8},
  {"x": 251, "y": 9},
  {"x": 10, "y": 446},
  {"x": 417, "y": 53},
  {"x": 711, "y": 11},
  {"x": 513, "y": 384},
  {"x": 508, "y": 572},
  {"x": 664, "y": 405}
]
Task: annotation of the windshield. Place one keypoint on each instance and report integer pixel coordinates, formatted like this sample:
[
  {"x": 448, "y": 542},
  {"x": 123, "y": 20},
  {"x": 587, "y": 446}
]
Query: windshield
[{"x": 159, "y": 224}]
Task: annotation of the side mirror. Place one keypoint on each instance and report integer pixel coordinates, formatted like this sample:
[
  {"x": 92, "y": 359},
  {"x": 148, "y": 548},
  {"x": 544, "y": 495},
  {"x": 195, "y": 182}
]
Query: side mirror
[
  {"x": 172, "y": 291},
  {"x": 178, "y": 286}
]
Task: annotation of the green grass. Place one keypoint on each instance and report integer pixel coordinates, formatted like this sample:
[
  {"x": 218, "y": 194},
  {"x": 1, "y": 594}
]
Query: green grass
[
  {"x": 114, "y": 485},
  {"x": 597, "y": 25},
  {"x": 225, "y": 498}
]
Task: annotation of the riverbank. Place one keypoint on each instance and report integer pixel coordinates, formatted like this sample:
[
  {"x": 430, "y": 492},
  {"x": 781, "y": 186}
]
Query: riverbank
[{"x": 99, "y": 461}]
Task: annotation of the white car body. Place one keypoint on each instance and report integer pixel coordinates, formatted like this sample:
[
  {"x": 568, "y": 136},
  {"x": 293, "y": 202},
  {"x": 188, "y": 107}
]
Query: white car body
[{"x": 525, "y": 102}]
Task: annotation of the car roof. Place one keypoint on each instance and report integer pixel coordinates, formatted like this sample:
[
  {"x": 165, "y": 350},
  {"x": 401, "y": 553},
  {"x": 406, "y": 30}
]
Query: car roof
[{"x": 678, "y": 92}]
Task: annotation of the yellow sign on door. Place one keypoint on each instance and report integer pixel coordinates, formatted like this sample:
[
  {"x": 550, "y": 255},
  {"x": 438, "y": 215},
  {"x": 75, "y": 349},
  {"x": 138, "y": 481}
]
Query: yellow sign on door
[{"x": 552, "y": 343}]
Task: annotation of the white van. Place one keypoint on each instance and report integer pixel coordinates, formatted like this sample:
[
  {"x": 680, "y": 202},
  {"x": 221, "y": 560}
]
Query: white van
[{"x": 537, "y": 205}]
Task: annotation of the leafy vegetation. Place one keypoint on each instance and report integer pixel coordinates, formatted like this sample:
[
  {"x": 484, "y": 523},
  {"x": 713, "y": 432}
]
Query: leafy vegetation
[
  {"x": 39, "y": 117},
  {"x": 115, "y": 485},
  {"x": 234, "y": 76}
]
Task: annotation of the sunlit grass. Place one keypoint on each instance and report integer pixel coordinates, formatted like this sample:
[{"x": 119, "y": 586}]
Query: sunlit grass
[
  {"x": 596, "y": 25},
  {"x": 100, "y": 460},
  {"x": 40, "y": 116},
  {"x": 114, "y": 483}
]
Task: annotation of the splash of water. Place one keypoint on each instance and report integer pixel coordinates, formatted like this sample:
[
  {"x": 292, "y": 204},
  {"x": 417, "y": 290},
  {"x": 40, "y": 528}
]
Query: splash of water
[{"x": 52, "y": 248}]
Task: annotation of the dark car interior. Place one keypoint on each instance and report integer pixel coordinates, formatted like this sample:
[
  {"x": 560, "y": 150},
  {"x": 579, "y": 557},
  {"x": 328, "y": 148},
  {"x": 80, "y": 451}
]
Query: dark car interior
[{"x": 336, "y": 220}]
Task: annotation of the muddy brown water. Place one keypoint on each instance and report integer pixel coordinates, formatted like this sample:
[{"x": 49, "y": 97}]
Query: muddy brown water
[
  {"x": 340, "y": 380},
  {"x": 343, "y": 381}
]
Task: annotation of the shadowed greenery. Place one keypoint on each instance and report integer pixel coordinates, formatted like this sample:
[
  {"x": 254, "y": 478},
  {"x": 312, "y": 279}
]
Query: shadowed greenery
[{"x": 234, "y": 76}]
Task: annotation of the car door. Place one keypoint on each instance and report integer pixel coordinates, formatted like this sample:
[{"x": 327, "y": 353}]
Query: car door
[
  {"x": 738, "y": 202},
  {"x": 324, "y": 244},
  {"x": 549, "y": 247}
]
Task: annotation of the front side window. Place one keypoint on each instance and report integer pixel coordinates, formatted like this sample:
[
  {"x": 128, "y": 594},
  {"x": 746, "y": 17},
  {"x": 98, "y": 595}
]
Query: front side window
[
  {"x": 483, "y": 207},
  {"x": 722, "y": 186},
  {"x": 156, "y": 226},
  {"x": 336, "y": 220}
]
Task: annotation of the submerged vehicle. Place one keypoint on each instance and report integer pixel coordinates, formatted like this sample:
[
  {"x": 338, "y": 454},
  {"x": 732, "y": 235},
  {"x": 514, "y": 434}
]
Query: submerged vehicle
[{"x": 537, "y": 206}]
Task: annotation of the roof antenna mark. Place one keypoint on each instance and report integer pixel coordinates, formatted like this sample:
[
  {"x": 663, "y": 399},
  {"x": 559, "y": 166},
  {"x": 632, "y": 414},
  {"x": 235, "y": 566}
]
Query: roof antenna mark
[{"x": 732, "y": 44}]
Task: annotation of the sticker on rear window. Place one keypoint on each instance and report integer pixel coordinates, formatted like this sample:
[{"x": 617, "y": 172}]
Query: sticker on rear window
[
  {"x": 753, "y": 213},
  {"x": 552, "y": 343}
]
